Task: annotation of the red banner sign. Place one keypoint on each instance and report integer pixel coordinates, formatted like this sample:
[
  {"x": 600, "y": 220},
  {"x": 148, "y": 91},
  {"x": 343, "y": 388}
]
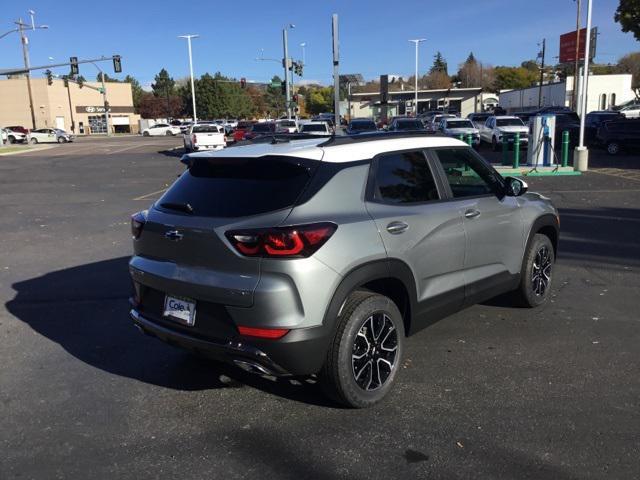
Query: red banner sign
[{"x": 568, "y": 45}]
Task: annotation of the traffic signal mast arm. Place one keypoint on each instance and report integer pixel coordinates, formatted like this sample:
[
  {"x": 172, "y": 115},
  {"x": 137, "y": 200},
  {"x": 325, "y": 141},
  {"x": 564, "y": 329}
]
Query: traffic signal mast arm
[{"x": 13, "y": 71}]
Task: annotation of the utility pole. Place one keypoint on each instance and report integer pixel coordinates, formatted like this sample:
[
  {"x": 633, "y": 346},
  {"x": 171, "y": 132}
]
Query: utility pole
[
  {"x": 336, "y": 75},
  {"x": 73, "y": 123},
  {"x": 285, "y": 64},
  {"x": 544, "y": 45},
  {"x": 106, "y": 104},
  {"x": 27, "y": 66},
  {"x": 576, "y": 68},
  {"x": 417, "y": 42}
]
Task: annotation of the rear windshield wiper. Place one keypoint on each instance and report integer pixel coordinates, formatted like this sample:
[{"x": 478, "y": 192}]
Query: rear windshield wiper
[{"x": 182, "y": 207}]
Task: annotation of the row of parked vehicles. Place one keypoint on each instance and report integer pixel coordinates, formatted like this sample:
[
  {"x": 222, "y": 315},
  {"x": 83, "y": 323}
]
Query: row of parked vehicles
[{"x": 19, "y": 134}]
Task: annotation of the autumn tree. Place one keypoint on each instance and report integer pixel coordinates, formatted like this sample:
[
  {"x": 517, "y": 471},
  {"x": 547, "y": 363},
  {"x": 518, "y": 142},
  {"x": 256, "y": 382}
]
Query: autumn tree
[{"x": 630, "y": 63}]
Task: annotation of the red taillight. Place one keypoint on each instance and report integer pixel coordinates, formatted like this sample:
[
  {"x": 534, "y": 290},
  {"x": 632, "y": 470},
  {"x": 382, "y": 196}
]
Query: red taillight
[
  {"x": 297, "y": 241},
  {"x": 270, "y": 333},
  {"x": 137, "y": 223}
]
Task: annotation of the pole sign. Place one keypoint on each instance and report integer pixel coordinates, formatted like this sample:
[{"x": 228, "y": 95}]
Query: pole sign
[{"x": 568, "y": 45}]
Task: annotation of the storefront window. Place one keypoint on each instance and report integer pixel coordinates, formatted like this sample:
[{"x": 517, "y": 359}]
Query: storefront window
[{"x": 97, "y": 124}]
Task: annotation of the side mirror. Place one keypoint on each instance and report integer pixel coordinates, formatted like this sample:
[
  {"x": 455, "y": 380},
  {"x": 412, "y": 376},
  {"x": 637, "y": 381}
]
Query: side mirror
[{"x": 515, "y": 187}]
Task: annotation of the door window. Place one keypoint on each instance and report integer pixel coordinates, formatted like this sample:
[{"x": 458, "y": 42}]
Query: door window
[
  {"x": 404, "y": 178},
  {"x": 466, "y": 173}
]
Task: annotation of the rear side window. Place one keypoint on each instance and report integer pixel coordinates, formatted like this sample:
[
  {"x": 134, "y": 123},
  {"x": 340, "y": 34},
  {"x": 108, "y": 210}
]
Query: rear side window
[
  {"x": 404, "y": 178},
  {"x": 239, "y": 187}
]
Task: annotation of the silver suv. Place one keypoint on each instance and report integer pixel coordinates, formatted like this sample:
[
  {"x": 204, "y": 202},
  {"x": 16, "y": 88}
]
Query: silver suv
[{"x": 320, "y": 256}]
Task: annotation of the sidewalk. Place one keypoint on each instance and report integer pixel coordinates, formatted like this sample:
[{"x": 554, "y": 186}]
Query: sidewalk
[{"x": 18, "y": 149}]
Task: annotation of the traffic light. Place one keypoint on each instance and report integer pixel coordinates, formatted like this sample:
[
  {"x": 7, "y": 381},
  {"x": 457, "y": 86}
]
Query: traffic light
[
  {"x": 80, "y": 82},
  {"x": 243, "y": 82},
  {"x": 74, "y": 65},
  {"x": 298, "y": 68},
  {"x": 117, "y": 64},
  {"x": 65, "y": 79},
  {"x": 49, "y": 77},
  {"x": 295, "y": 97}
]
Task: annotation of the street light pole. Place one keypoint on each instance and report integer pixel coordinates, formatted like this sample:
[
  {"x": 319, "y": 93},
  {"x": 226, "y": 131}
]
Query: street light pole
[
  {"x": 303, "y": 45},
  {"x": 285, "y": 63},
  {"x": 417, "y": 42},
  {"x": 193, "y": 90},
  {"x": 25, "y": 55},
  {"x": 581, "y": 155}
]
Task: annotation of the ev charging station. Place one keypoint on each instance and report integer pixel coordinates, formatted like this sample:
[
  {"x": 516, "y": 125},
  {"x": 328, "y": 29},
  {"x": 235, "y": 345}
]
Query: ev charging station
[{"x": 541, "y": 143}]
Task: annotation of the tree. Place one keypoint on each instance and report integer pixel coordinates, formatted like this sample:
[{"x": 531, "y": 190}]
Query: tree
[
  {"x": 439, "y": 64},
  {"x": 164, "y": 85},
  {"x": 136, "y": 90},
  {"x": 319, "y": 100},
  {"x": 107, "y": 78},
  {"x": 630, "y": 63},
  {"x": 274, "y": 98},
  {"x": 628, "y": 16},
  {"x": 470, "y": 72},
  {"x": 508, "y": 78},
  {"x": 218, "y": 96},
  {"x": 436, "y": 80}
]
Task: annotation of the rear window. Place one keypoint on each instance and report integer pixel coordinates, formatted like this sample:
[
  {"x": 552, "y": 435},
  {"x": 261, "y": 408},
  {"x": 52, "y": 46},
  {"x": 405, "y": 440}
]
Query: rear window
[
  {"x": 311, "y": 127},
  {"x": 205, "y": 129},
  {"x": 239, "y": 187},
  {"x": 263, "y": 127},
  {"x": 459, "y": 124},
  {"x": 410, "y": 125},
  {"x": 363, "y": 125},
  {"x": 509, "y": 122}
]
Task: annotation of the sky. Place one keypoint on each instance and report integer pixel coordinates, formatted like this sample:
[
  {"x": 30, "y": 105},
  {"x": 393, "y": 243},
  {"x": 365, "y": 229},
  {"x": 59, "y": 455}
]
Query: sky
[{"x": 373, "y": 34}]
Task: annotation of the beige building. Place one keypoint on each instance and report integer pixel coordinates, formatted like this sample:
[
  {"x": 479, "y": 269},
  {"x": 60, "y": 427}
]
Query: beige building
[{"x": 74, "y": 109}]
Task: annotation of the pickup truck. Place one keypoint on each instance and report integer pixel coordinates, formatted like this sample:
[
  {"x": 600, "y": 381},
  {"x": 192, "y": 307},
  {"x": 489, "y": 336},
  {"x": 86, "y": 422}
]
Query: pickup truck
[
  {"x": 503, "y": 128},
  {"x": 204, "y": 136},
  {"x": 454, "y": 127}
]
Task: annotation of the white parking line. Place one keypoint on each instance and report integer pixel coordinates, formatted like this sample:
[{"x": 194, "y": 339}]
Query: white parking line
[{"x": 147, "y": 195}]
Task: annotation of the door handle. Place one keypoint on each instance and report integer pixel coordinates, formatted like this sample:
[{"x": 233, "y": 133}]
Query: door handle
[
  {"x": 472, "y": 213},
  {"x": 395, "y": 228}
]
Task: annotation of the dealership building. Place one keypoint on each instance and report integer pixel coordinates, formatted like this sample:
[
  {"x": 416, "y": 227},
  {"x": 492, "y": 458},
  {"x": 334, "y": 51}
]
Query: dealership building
[{"x": 74, "y": 109}]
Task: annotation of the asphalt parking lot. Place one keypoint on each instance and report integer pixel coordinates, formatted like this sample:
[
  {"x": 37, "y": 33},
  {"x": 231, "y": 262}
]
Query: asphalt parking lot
[{"x": 491, "y": 392}]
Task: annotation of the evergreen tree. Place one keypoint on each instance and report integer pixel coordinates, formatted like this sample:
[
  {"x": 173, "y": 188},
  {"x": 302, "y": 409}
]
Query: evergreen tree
[{"x": 439, "y": 64}]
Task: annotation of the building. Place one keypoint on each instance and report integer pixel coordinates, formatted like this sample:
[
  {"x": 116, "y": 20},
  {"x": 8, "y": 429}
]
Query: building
[
  {"x": 461, "y": 100},
  {"x": 603, "y": 92},
  {"x": 75, "y": 109}
]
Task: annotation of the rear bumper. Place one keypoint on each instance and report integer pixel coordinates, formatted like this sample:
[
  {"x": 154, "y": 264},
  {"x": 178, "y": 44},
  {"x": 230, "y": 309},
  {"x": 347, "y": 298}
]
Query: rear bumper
[{"x": 300, "y": 352}]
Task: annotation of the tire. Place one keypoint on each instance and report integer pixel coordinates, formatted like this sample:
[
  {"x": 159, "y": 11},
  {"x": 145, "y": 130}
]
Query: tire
[
  {"x": 34, "y": 141},
  {"x": 60, "y": 140},
  {"x": 537, "y": 272},
  {"x": 494, "y": 144},
  {"x": 145, "y": 134},
  {"x": 12, "y": 139},
  {"x": 169, "y": 133},
  {"x": 613, "y": 148},
  {"x": 348, "y": 377}
]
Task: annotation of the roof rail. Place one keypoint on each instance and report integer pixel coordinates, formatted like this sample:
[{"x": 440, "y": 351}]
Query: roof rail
[{"x": 382, "y": 135}]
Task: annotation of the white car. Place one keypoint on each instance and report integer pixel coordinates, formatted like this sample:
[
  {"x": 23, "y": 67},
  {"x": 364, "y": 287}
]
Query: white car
[
  {"x": 433, "y": 124},
  {"x": 632, "y": 111},
  {"x": 50, "y": 135},
  {"x": 206, "y": 136},
  {"x": 315, "y": 128},
  {"x": 11, "y": 136},
  {"x": 503, "y": 129},
  {"x": 285, "y": 125},
  {"x": 454, "y": 127},
  {"x": 160, "y": 129}
]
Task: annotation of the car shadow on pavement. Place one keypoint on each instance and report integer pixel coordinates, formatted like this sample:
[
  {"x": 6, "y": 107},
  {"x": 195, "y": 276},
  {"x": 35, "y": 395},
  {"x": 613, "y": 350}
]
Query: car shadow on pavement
[
  {"x": 84, "y": 309},
  {"x": 176, "y": 152}
]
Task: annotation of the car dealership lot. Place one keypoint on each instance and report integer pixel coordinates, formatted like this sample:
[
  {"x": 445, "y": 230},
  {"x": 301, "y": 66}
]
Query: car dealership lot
[{"x": 491, "y": 392}]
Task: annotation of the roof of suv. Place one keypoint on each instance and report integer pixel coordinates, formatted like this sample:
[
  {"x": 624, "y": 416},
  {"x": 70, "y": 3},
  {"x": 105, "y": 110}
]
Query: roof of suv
[{"x": 336, "y": 149}]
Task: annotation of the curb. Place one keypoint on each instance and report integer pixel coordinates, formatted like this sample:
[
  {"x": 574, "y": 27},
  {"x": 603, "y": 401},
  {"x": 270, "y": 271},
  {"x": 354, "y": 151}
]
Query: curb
[{"x": 25, "y": 150}]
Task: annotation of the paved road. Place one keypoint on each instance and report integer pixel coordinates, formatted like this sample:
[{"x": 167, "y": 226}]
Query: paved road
[{"x": 491, "y": 392}]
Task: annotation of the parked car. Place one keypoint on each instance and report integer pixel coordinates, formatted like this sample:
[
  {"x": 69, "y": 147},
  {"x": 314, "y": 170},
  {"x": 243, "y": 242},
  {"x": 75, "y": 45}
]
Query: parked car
[
  {"x": 567, "y": 121},
  {"x": 160, "y": 129},
  {"x": 454, "y": 127},
  {"x": 619, "y": 135},
  {"x": 316, "y": 128},
  {"x": 405, "y": 123},
  {"x": 18, "y": 128},
  {"x": 242, "y": 128},
  {"x": 503, "y": 128},
  {"x": 594, "y": 120},
  {"x": 259, "y": 129},
  {"x": 12, "y": 136},
  {"x": 479, "y": 118},
  {"x": 271, "y": 257},
  {"x": 631, "y": 111},
  {"x": 286, "y": 125},
  {"x": 434, "y": 123},
  {"x": 205, "y": 137},
  {"x": 50, "y": 135},
  {"x": 361, "y": 125},
  {"x": 185, "y": 127}
]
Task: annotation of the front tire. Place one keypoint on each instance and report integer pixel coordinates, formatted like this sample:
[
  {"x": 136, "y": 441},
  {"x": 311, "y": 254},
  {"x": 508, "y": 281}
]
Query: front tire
[
  {"x": 145, "y": 134},
  {"x": 613, "y": 148},
  {"x": 364, "y": 357},
  {"x": 537, "y": 272},
  {"x": 34, "y": 141},
  {"x": 169, "y": 133}
]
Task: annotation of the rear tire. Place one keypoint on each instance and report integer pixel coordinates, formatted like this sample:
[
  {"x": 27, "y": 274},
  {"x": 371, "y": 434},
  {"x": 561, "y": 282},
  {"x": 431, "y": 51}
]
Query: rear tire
[
  {"x": 613, "y": 148},
  {"x": 169, "y": 133},
  {"x": 365, "y": 355},
  {"x": 537, "y": 272},
  {"x": 145, "y": 134},
  {"x": 34, "y": 141}
]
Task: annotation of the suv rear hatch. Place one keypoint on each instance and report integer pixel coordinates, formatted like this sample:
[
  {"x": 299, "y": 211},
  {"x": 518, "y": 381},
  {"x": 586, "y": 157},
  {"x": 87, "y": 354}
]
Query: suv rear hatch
[{"x": 182, "y": 249}]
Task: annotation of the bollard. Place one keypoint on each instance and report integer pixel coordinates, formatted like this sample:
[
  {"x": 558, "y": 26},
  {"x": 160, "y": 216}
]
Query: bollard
[
  {"x": 505, "y": 151},
  {"x": 470, "y": 140},
  {"x": 565, "y": 148},
  {"x": 516, "y": 151},
  {"x": 461, "y": 137}
]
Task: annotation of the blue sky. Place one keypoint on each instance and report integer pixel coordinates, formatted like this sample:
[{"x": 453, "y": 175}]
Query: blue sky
[{"x": 373, "y": 34}]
